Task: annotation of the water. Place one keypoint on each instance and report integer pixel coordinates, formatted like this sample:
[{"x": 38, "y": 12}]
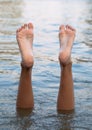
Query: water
[{"x": 46, "y": 15}]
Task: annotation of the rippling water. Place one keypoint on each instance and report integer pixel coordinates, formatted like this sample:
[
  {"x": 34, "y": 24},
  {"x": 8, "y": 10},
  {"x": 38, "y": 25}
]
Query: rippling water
[{"x": 46, "y": 15}]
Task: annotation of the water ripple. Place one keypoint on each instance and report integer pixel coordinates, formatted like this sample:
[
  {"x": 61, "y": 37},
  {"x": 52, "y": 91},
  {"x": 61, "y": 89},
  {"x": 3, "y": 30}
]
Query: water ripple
[{"x": 46, "y": 16}]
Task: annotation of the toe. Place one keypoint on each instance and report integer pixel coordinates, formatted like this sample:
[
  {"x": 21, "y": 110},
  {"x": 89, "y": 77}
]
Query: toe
[
  {"x": 62, "y": 30},
  {"x": 17, "y": 31},
  {"x": 70, "y": 27},
  {"x": 30, "y": 26},
  {"x": 67, "y": 26},
  {"x": 25, "y": 26},
  {"x": 22, "y": 27},
  {"x": 62, "y": 27}
]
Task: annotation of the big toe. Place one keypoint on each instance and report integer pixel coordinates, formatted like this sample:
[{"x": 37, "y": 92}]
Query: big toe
[
  {"x": 30, "y": 26},
  {"x": 70, "y": 27}
]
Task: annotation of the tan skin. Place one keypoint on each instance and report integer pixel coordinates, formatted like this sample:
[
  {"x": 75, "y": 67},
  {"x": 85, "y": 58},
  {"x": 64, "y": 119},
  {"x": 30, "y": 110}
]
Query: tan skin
[
  {"x": 25, "y": 97},
  {"x": 25, "y": 41},
  {"x": 65, "y": 99}
]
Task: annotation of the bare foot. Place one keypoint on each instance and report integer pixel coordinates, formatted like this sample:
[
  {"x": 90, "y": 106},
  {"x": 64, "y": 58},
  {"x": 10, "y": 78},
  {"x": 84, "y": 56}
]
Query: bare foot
[
  {"x": 25, "y": 41},
  {"x": 66, "y": 37}
]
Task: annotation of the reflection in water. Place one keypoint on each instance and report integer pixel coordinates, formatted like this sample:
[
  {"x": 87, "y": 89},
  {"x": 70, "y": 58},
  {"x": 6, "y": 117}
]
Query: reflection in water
[
  {"x": 46, "y": 16},
  {"x": 23, "y": 112},
  {"x": 23, "y": 118},
  {"x": 66, "y": 121}
]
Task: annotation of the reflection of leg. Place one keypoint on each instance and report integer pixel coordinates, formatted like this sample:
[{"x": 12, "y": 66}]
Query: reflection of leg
[
  {"x": 66, "y": 92},
  {"x": 25, "y": 40},
  {"x": 66, "y": 121}
]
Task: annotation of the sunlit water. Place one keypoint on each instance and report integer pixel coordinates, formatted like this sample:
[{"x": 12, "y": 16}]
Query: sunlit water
[{"x": 46, "y": 15}]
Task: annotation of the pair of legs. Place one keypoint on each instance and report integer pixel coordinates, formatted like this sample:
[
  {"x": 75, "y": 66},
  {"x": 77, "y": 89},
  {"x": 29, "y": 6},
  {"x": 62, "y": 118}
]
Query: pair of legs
[{"x": 25, "y": 36}]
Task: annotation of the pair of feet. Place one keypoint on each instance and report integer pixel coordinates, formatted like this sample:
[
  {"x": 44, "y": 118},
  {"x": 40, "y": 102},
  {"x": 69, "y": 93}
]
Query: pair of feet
[{"x": 25, "y": 38}]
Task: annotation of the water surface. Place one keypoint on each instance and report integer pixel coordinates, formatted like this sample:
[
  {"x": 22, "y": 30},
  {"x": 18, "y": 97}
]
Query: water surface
[{"x": 47, "y": 16}]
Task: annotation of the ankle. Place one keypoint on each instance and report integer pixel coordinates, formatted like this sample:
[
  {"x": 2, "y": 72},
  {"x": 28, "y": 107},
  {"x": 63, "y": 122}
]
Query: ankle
[
  {"x": 61, "y": 58},
  {"x": 64, "y": 60},
  {"x": 28, "y": 63}
]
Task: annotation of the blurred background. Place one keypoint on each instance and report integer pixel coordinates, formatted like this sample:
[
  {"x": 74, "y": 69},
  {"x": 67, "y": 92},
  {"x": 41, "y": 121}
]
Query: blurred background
[{"x": 47, "y": 16}]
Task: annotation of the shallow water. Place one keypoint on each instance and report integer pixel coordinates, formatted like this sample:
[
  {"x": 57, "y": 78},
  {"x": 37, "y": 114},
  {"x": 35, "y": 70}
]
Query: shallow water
[{"x": 46, "y": 15}]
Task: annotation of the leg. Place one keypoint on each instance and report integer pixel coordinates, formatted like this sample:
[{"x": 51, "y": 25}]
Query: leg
[
  {"x": 25, "y": 41},
  {"x": 66, "y": 93}
]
